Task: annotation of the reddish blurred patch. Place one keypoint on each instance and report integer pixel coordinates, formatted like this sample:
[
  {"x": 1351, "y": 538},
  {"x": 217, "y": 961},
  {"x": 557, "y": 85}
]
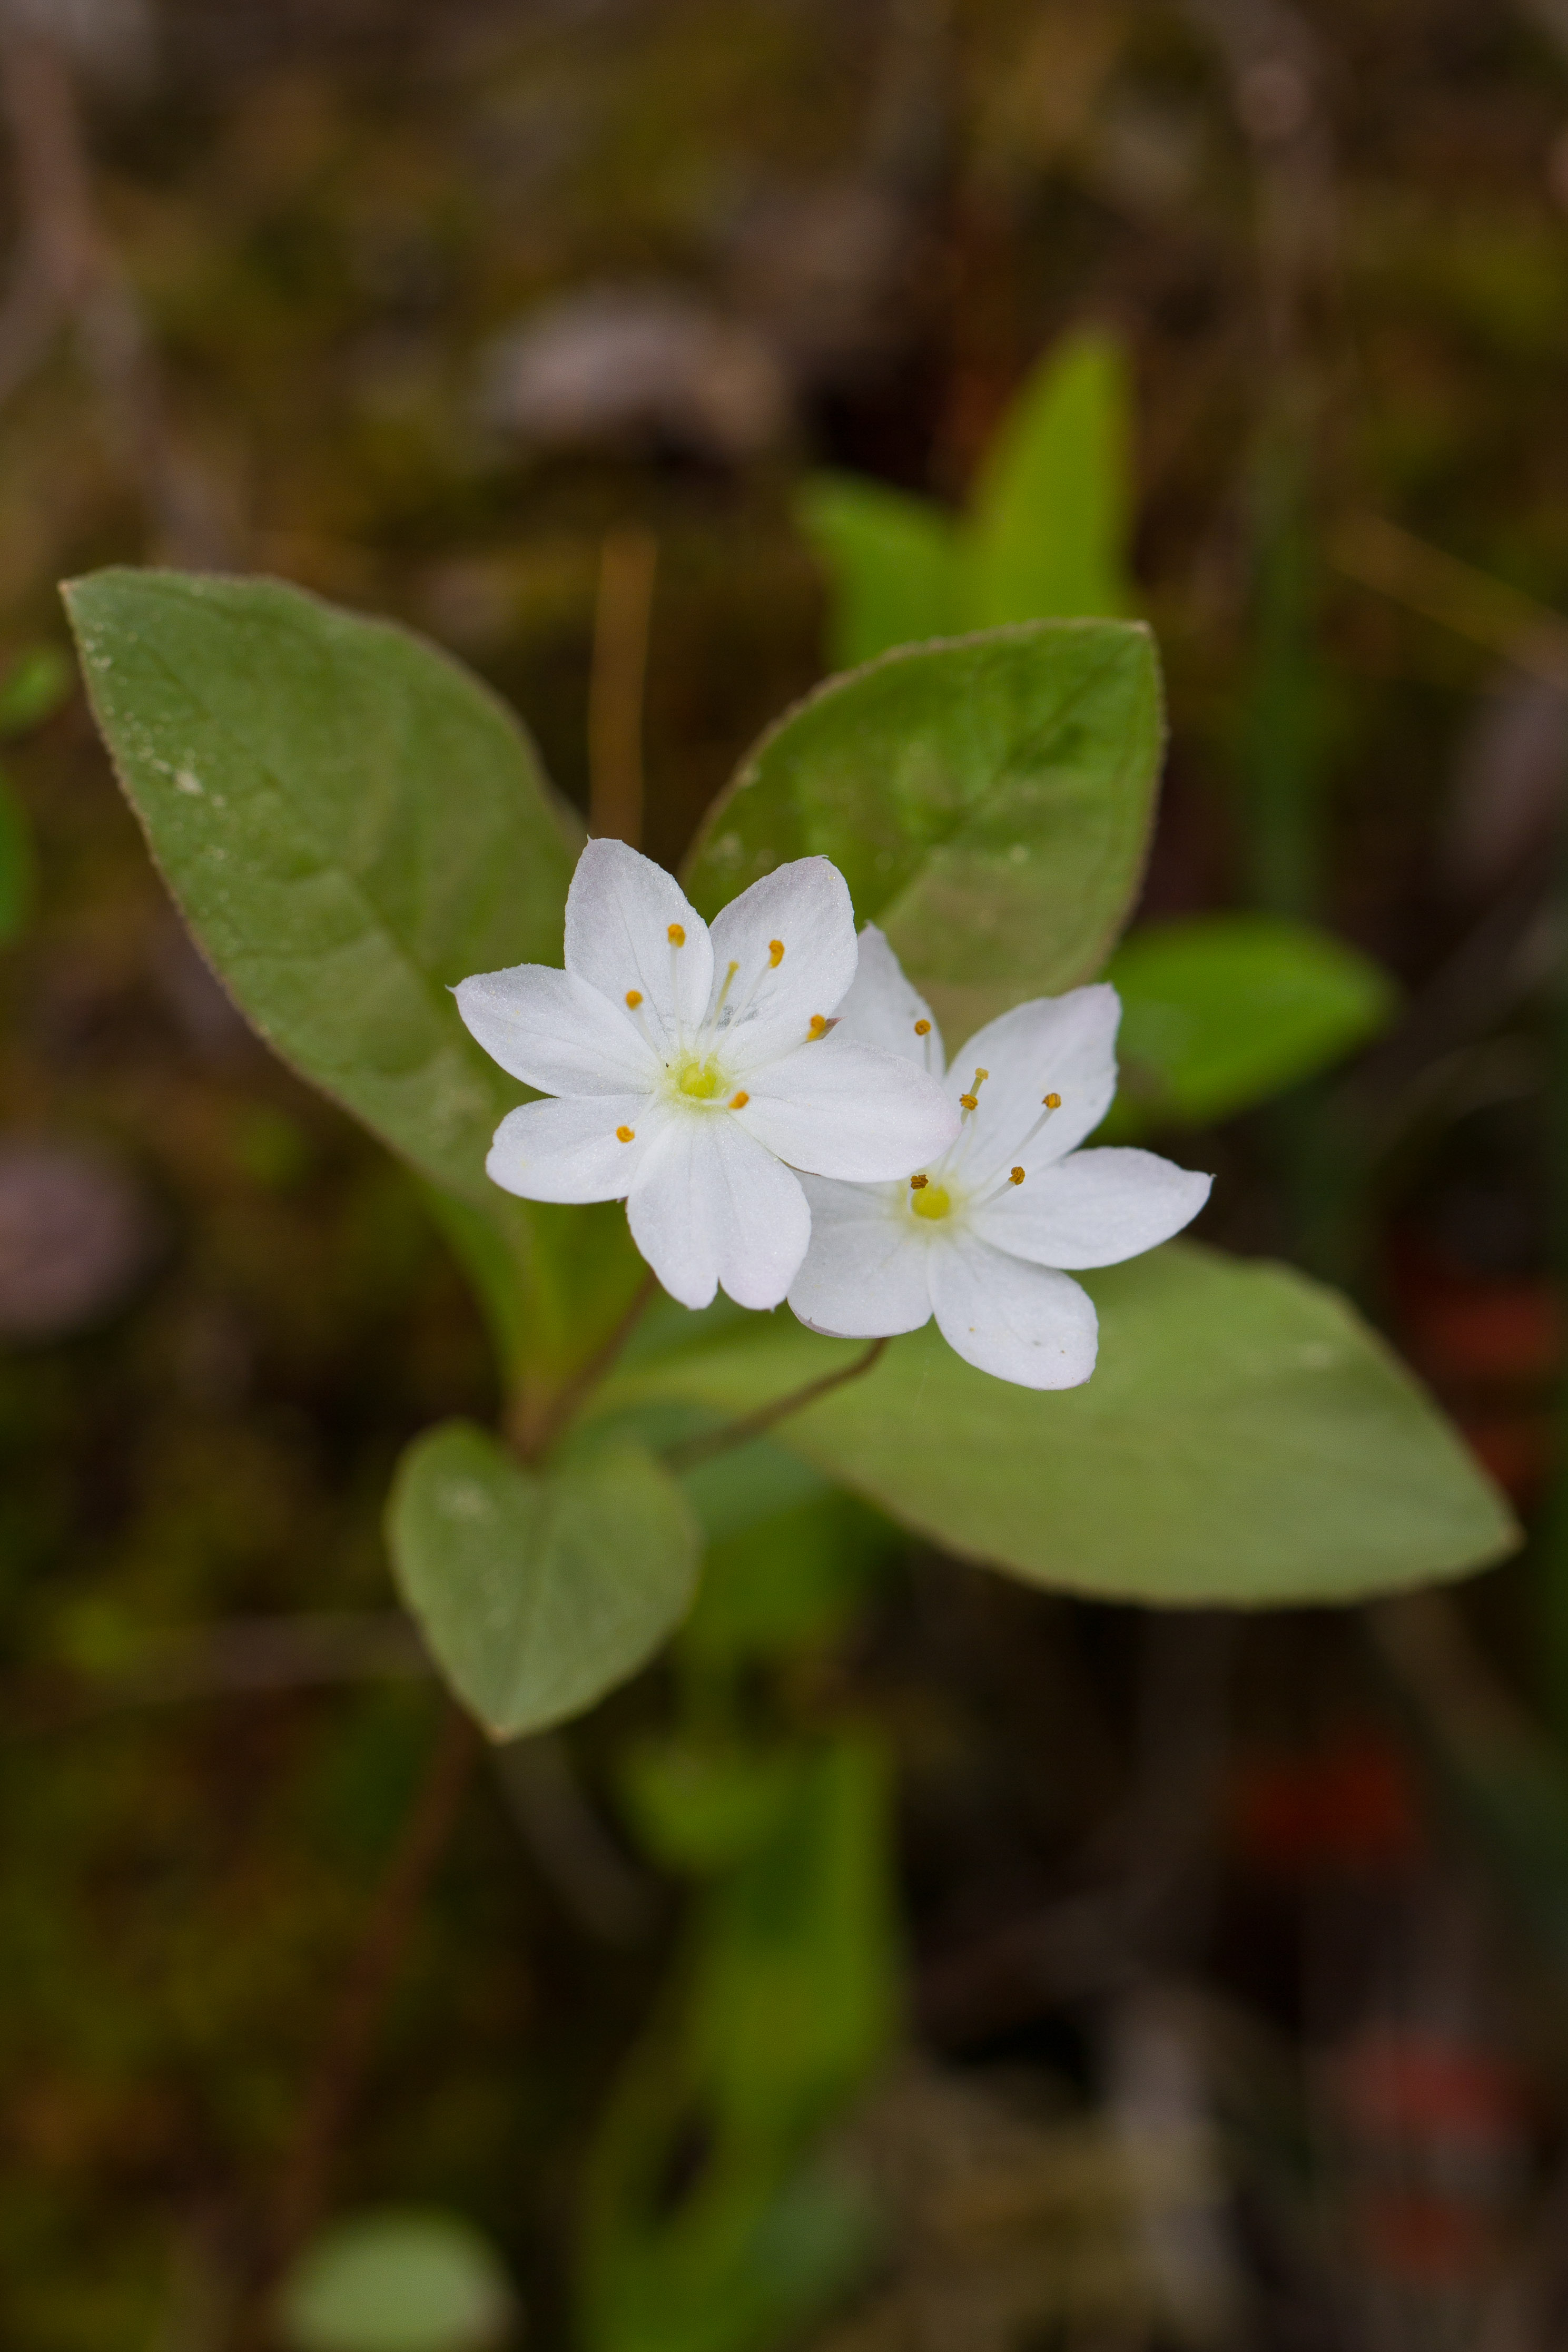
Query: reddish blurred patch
[
  {"x": 1492, "y": 1349},
  {"x": 1351, "y": 1807}
]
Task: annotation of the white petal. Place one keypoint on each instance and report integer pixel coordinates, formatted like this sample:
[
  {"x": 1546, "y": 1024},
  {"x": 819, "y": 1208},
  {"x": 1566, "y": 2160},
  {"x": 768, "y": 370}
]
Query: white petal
[
  {"x": 1054, "y": 1044},
  {"x": 882, "y": 1008},
  {"x": 841, "y": 1109},
  {"x": 769, "y": 1008},
  {"x": 569, "y": 1149},
  {"x": 711, "y": 1206},
  {"x": 619, "y": 911},
  {"x": 1021, "y": 1323},
  {"x": 864, "y": 1274},
  {"x": 554, "y": 1032},
  {"x": 1094, "y": 1209}
]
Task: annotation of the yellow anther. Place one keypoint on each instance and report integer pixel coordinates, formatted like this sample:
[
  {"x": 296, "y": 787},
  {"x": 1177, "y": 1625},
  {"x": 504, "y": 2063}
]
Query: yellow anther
[
  {"x": 980, "y": 1077},
  {"x": 819, "y": 1026},
  {"x": 740, "y": 1101},
  {"x": 633, "y": 998},
  {"x": 971, "y": 1102},
  {"x": 923, "y": 1028},
  {"x": 625, "y": 1135},
  {"x": 775, "y": 953},
  {"x": 918, "y": 1183},
  {"x": 1014, "y": 1176},
  {"x": 677, "y": 935},
  {"x": 1052, "y": 1102}
]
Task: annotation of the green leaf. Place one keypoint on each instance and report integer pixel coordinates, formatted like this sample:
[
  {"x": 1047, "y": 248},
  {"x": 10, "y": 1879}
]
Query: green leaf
[
  {"x": 349, "y": 822},
  {"x": 892, "y": 562},
  {"x": 1225, "y": 1010},
  {"x": 988, "y": 800},
  {"x": 538, "y": 1591},
  {"x": 16, "y": 863},
  {"x": 398, "y": 2281},
  {"x": 35, "y": 686},
  {"x": 1245, "y": 1439},
  {"x": 1053, "y": 508}
]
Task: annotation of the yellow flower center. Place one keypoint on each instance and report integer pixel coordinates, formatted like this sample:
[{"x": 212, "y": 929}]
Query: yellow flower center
[
  {"x": 931, "y": 1201},
  {"x": 701, "y": 1080}
]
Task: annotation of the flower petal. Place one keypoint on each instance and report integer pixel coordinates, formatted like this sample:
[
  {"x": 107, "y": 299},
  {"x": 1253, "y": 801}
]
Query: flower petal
[
  {"x": 882, "y": 1008},
  {"x": 555, "y": 1032},
  {"x": 1021, "y": 1323},
  {"x": 570, "y": 1151},
  {"x": 711, "y": 1206},
  {"x": 837, "y": 1109},
  {"x": 1095, "y": 1208},
  {"x": 1054, "y": 1044},
  {"x": 864, "y": 1274},
  {"x": 804, "y": 908},
  {"x": 619, "y": 911}
]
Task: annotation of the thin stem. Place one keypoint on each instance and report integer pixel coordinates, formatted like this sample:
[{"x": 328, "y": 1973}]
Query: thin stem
[
  {"x": 367, "y": 1984},
  {"x": 533, "y": 1429},
  {"x": 693, "y": 1450}
]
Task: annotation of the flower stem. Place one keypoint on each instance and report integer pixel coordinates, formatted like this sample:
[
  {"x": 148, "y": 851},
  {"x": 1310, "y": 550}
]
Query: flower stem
[
  {"x": 534, "y": 1424},
  {"x": 702, "y": 1448}
]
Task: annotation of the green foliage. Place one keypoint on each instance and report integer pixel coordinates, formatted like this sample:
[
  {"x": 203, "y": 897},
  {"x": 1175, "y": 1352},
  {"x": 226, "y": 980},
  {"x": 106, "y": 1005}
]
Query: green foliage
[
  {"x": 538, "y": 1591},
  {"x": 398, "y": 2281},
  {"x": 1045, "y": 537},
  {"x": 351, "y": 824},
  {"x": 710, "y": 2226},
  {"x": 894, "y": 561},
  {"x": 1245, "y": 1440},
  {"x": 988, "y": 803},
  {"x": 1052, "y": 508},
  {"x": 1222, "y": 1010},
  {"x": 37, "y": 684}
]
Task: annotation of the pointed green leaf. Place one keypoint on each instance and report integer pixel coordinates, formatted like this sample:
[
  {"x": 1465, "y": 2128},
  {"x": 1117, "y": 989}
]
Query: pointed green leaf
[
  {"x": 989, "y": 802},
  {"x": 1053, "y": 508},
  {"x": 1223, "y": 1011},
  {"x": 350, "y": 822},
  {"x": 1245, "y": 1439},
  {"x": 892, "y": 562},
  {"x": 538, "y": 1591}
]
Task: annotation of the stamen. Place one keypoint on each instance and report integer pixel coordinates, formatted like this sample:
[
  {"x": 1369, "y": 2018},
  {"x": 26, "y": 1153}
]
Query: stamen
[
  {"x": 1049, "y": 1104},
  {"x": 677, "y": 936},
  {"x": 1014, "y": 1176},
  {"x": 633, "y": 998},
  {"x": 1052, "y": 1102},
  {"x": 972, "y": 1101},
  {"x": 723, "y": 992},
  {"x": 819, "y": 1025},
  {"x": 740, "y": 1101},
  {"x": 923, "y": 1028},
  {"x": 918, "y": 1183},
  {"x": 625, "y": 1135},
  {"x": 775, "y": 953}
]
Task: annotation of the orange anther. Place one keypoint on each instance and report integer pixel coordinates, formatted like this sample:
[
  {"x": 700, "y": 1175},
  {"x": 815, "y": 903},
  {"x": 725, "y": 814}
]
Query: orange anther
[
  {"x": 1014, "y": 1176},
  {"x": 923, "y": 1028},
  {"x": 971, "y": 1102},
  {"x": 1052, "y": 1102},
  {"x": 740, "y": 1101},
  {"x": 677, "y": 935},
  {"x": 918, "y": 1183},
  {"x": 633, "y": 998},
  {"x": 819, "y": 1024},
  {"x": 775, "y": 953},
  {"x": 626, "y": 1135}
]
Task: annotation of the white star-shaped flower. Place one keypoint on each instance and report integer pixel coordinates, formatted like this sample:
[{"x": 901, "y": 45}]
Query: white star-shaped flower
[
  {"x": 693, "y": 1071},
  {"x": 980, "y": 1236}
]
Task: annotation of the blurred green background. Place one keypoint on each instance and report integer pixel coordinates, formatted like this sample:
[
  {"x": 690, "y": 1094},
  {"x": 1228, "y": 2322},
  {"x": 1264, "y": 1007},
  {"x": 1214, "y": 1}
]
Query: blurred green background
[{"x": 658, "y": 356}]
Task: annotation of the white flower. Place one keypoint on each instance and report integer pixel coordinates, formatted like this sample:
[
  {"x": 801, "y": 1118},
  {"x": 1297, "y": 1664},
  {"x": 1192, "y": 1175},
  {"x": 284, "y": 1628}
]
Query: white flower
[
  {"x": 978, "y": 1237},
  {"x": 688, "y": 1066}
]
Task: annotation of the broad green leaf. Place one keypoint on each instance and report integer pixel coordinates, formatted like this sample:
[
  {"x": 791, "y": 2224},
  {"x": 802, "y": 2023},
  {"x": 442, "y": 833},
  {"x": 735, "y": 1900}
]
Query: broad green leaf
[
  {"x": 538, "y": 1591},
  {"x": 892, "y": 562},
  {"x": 35, "y": 686},
  {"x": 1053, "y": 508},
  {"x": 1245, "y": 1439},
  {"x": 988, "y": 800},
  {"x": 398, "y": 2281},
  {"x": 16, "y": 863},
  {"x": 349, "y": 822},
  {"x": 1225, "y": 1010}
]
